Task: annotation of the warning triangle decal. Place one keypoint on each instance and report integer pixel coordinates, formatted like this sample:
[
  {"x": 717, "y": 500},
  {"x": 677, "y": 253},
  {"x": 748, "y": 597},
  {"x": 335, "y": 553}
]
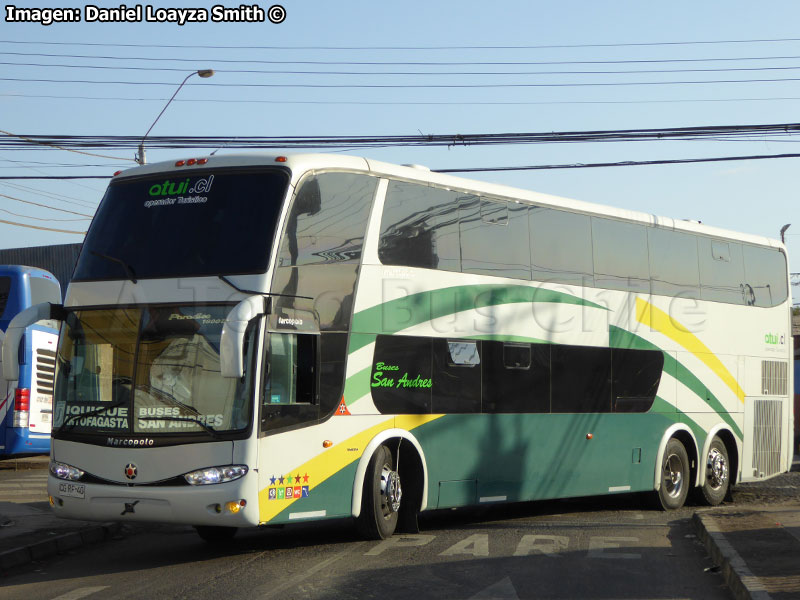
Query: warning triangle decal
[{"x": 342, "y": 408}]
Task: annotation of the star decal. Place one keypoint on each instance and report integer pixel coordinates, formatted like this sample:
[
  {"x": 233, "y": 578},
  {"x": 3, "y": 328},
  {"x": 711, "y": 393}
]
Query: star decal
[
  {"x": 297, "y": 478},
  {"x": 289, "y": 479},
  {"x": 305, "y": 478},
  {"x": 272, "y": 480},
  {"x": 280, "y": 479}
]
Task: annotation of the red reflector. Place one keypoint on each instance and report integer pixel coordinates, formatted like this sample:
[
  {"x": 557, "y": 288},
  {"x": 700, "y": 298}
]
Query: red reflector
[
  {"x": 202, "y": 161},
  {"x": 116, "y": 173},
  {"x": 180, "y": 163},
  {"x": 22, "y": 399},
  {"x": 191, "y": 161},
  {"x": 280, "y": 159}
]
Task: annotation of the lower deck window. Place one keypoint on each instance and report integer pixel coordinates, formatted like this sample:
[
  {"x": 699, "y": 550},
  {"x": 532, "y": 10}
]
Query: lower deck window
[{"x": 412, "y": 375}]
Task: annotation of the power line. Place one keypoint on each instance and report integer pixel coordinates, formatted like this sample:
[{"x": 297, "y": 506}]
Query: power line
[
  {"x": 472, "y": 47},
  {"x": 731, "y": 132},
  {"x": 407, "y": 73},
  {"x": 41, "y": 228},
  {"x": 408, "y": 85},
  {"x": 384, "y": 63},
  {"x": 629, "y": 163},
  {"x": 403, "y": 103},
  {"x": 44, "y": 205}
]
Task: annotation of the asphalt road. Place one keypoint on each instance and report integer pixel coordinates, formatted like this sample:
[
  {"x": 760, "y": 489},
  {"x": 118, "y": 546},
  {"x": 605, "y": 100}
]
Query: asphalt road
[{"x": 593, "y": 548}]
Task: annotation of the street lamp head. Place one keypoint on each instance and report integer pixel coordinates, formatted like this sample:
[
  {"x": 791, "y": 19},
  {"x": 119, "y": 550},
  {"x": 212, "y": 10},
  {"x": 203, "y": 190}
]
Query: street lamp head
[{"x": 205, "y": 74}]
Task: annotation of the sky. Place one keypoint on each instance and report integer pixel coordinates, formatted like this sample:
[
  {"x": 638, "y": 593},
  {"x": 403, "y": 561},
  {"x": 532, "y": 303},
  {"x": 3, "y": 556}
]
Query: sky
[{"x": 445, "y": 67}]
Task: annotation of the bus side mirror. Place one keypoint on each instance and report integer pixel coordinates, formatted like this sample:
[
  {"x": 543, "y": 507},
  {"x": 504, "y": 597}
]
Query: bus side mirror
[
  {"x": 231, "y": 345},
  {"x": 16, "y": 328}
]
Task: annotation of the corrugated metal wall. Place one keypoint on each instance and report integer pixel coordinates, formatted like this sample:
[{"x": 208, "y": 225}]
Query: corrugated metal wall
[{"x": 59, "y": 260}]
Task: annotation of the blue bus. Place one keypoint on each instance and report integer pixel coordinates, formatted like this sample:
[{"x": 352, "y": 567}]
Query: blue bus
[{"x": 26, "y": 405}]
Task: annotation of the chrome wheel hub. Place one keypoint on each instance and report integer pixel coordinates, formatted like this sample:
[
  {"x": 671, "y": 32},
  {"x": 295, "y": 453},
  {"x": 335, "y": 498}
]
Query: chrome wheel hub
[
  {"x": 391, "y": 491},
  {"x": 673, "y": 476},
  {"x": 717, "y": 469}
]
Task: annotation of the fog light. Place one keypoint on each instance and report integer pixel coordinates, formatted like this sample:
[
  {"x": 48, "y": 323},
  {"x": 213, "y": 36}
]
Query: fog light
[
  {"x": 233, "y": 507},
  {"x": 52, "y": 500}
]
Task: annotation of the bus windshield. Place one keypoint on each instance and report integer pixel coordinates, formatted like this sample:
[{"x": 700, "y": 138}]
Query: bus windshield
[
  {"x": 148, "y": 371},
  {"x": 195, "y": 223}
]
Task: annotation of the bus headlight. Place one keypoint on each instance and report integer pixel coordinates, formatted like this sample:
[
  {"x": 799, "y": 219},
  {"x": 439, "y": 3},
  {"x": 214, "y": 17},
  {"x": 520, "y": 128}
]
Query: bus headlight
[
  {"x": 64, "y": 471},
  {"x": 216, "y": 475}
]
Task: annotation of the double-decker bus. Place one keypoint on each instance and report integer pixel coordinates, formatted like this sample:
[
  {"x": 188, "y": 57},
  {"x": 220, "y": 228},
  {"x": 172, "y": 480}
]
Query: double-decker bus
[
  {"x": 26, "y": 404},
  {"x": 260, "y": 340}
]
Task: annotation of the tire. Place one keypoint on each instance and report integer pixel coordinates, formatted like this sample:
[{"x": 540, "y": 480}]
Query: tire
[
  {"x": 380, "y": 500},
  {"x": 216, "y": 535},
  {"x": 718, "y": 475},
  {"x": 674, "y": 476}
]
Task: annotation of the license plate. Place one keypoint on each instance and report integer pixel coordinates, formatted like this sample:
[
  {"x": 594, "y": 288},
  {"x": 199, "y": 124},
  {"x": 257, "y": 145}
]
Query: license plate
[{"x": 72, "y": 490}]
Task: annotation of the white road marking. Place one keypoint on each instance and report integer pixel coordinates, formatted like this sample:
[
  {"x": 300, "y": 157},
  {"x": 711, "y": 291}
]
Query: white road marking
[
  {"x": 400, "y": 541},
  {"x": 81, "y": 593},
  {"x": 474, "y": 545},
  {"x": 549, "y": 545}
]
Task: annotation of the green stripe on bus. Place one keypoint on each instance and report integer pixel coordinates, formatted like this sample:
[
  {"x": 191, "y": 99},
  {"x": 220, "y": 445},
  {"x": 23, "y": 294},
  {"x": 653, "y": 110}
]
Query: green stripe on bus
[{"x": 402, "y": 313}]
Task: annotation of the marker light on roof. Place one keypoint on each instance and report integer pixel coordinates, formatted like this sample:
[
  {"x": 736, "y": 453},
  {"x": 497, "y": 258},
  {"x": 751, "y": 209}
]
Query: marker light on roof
[
  {"x": 202, "y": 161},
  {"x": 280, "y": 159},
  {"x": 180, "y": 163},
  {"x": 116, "y": 173},
  {"x": 191, "y": 161}
]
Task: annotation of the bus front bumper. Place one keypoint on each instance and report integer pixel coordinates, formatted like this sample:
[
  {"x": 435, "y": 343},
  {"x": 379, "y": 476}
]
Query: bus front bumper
[{"x": 232, "y": 504}]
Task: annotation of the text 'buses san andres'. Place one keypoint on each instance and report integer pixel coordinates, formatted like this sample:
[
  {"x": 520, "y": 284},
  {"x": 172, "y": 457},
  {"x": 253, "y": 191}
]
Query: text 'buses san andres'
[{"x": 256, "y": 340}]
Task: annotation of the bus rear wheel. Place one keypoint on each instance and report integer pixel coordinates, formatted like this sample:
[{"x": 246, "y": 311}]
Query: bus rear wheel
[
  {"x": 674, "y": 476},
  {"x": 216, "y": 535},
  {"x": 380, "y": 500},
  {"x": 718, "y": 476}
]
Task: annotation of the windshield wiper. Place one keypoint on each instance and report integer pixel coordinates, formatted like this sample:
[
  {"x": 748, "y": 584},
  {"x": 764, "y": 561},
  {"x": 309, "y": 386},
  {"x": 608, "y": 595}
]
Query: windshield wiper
[
  {"x": 128, "y": 269},
  {"x": 194, "y": 420}
]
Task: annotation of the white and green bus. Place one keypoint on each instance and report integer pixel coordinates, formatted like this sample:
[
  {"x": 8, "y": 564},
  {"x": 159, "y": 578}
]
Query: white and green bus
[{"x": 260, "y": 340}]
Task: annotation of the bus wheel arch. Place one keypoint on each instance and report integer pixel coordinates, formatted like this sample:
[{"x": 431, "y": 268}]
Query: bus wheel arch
[{"x": 408, "y": 462}]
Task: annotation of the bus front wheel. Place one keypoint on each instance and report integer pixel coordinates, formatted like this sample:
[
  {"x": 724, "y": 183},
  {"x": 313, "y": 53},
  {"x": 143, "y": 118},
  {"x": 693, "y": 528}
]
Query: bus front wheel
[
  {"x": 216, "y": 535},
  {"x": 380, "y": 500},
  {"x": 674, "y": 476}
]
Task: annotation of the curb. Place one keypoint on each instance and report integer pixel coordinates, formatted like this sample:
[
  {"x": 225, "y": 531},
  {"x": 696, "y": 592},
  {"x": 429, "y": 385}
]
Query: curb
[
  {"x": 743, "y": 584},
  {"x": 59, "y": 544}
]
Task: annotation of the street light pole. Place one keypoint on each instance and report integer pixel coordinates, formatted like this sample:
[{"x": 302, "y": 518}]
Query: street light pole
[{"x": 205, "y": 74}]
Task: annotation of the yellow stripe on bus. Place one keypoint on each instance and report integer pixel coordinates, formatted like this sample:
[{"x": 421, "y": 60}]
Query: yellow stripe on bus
[
  {"x": 660, "y": 321},
  {"x": 336, "y": 458}
]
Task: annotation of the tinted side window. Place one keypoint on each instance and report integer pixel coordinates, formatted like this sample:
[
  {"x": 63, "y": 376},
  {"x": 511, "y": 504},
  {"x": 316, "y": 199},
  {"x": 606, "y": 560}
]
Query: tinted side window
[
  {"x": 765, "y": 272},
  {"x": 401, "y": 375},
  {"x": 620, "y": 255},
  {"x": 456, "y": 376},
  {"x": 494, "y": 238},
  {"x": 561, "y": 246},
  {"x": 581, "y": 379},
  {"x": 328, "y": 220},
  {"x": 721, "y": 271},
  {"x": 419, "y": 227},
  {"x": 516, "y": 377},
  {"x": 5, "y": 290},
  {"x": 674, "y": 269},
  {"x": 636, "y": 375}
]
